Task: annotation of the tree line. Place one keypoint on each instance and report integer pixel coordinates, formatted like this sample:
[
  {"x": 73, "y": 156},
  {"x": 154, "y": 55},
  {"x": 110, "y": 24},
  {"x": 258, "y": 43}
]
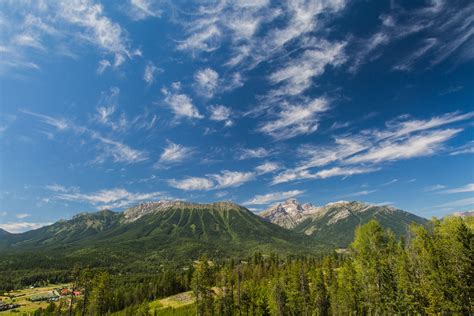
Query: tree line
[{"x": 429, "y": 271}]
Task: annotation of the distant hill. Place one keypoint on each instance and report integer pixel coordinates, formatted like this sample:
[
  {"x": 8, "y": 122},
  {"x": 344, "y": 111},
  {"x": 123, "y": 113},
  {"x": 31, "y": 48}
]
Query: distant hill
[
  {"x": 165, "y": 230},
  {"x": 335, "y": 223}
]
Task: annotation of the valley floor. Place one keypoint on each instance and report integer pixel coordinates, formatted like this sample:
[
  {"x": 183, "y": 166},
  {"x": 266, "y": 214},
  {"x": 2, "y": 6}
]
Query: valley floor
[{"x": 22, "y": 298}]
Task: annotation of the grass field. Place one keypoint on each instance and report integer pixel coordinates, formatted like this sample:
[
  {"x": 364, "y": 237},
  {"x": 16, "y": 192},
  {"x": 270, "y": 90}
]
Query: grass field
[
  {"x": 179, "y": 304},
  {"x": 21, "y": 297}
]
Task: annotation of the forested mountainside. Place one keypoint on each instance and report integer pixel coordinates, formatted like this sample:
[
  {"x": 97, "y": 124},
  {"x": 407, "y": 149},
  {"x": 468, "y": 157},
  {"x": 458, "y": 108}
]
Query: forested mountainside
[
  {"x": 146, "y": 235},
  {"x": 429, "y": 273}
]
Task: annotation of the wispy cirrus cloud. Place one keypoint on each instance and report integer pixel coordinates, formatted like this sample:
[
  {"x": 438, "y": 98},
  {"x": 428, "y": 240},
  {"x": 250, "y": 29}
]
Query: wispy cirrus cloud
[
  {"x": 174, "y": 153},
  {"x": 107, "y": 198},
  {"x": 66, "y": 26},
  {"x": 358, "y": 193},
  {"x": 434, "y": 22},
  {"x": 273, "y": 197},
  {"x": 221, "y": 113},
  {"x": 180, "y": 104},
  {"x": 143, "y": 9},
  {"x": 228, "y": 179},
  {"x": 267, "y": 167},
  {"x": 425, "y": 144},
  {"x": 295, "y": 119},
  {"x": 297, "y": 74},
  {"x": 468, "y": 188},
  {"x": 248, "y": 153},
  {"x": 403, "y": 138},
  {"x": 303, "y": 174},
  {"x": 457, "y": 204},
  {"x": 206, "y": 82},
  {"x": 192, "y": 184},
  {"x": 106, "y": 109},
  {"x": 467, "y": 148},
  {"x": 151, "y": 70},
  {"x": 108, "y": 148},
  {"x": 222, "y": 180}
]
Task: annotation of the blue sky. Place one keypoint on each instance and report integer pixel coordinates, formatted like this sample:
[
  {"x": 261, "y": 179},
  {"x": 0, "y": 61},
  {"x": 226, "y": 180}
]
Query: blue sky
[{"x": 108, "y": 104}]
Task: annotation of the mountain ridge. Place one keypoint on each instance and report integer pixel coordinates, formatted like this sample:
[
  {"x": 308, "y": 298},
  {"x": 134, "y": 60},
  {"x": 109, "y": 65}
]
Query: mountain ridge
[
  {"x": 174, "y": 231},
  {"x": 336, "y": 222}
]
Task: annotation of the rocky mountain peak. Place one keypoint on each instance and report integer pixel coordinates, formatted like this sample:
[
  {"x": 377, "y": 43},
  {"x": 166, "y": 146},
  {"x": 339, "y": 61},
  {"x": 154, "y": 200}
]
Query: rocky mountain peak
[
  {"x": 288, "y": 213},
  {"x": 142, "y": 209}
]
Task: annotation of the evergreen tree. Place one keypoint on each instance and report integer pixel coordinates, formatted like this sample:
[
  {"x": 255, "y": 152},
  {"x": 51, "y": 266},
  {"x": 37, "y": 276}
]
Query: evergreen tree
[{"x": 201, "y": 284}]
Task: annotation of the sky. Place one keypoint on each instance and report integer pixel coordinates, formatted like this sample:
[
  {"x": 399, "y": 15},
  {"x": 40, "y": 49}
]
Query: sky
[{"x": 109, "y": 104}]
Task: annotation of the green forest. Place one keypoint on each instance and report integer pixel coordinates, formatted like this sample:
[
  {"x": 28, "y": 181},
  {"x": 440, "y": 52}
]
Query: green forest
[{"x": 429, "y": 271}]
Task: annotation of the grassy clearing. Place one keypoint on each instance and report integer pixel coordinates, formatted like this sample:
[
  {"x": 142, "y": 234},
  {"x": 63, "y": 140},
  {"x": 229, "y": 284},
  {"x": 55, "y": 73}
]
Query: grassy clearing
[
  {"x": 179, "y": 304},
  {"x": 21, "y": 297}
]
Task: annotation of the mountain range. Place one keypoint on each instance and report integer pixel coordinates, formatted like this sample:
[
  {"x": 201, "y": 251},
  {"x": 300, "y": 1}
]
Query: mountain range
[
  {"x": 335, "y": 223},
  {"x": 176, "y": 231}
]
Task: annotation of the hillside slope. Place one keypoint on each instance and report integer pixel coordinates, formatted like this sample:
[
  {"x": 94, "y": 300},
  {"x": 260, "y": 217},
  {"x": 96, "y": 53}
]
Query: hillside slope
[{"x": 161, "y": 231}]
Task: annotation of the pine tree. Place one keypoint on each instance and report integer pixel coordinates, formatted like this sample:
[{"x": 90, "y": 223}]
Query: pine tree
[{"x": 201, "y": 284}]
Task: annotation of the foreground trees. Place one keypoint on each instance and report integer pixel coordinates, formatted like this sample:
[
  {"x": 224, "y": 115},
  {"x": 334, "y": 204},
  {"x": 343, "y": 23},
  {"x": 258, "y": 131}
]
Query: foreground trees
[{"x": 431, "y": 271}]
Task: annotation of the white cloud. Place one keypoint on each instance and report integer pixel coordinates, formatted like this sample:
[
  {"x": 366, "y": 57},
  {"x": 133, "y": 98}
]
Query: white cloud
[
  {"x": 228, "y": 179},
  {"x": 457, "y": 204},
  {"x": 345, "y": 172},
  {"x": 221, "y": 113},
  {"x": 142, "y": 9},
  {"x": 22, "y": 215},
  {"x": 294, "y": 120},
  {"x": 390, "y": 182},
  {"x": 66, "y": 26},
  {"x": 192, "y": 183},
  {"x": 467, "y": 148},
  {"x": 110, "y": 198},
  {"x": 108, "y": 148},
  {"x": 267, "y": 167},
  {"x": 224, "y": 179},
  {"x": 98, "y": 28},
  {"x": 19, "y": 227},
  {"x": 403, "y": 138},
  {"x": 104, "y": 113},
  {"x": 322, "y": 155},
  {"x": 302, "y": 18},
  {"x": 107, "y": 104},
  {"x": 150, "y": 72},
  {"x": 433, "y": 24},
  {"x": 118, "y": 151},
  {"x": 206, "y": 39},
  {"x": 464, "y": 189},
  {"x": 298, "y": 72},
  {"x": 207, "y": 81},
  {"x": 181, "y": 104},
  {"x": 300, "y": 174},
  {"x": 59, "y": 123},
  {"x": 61, "y": 188},
  {"x": 273, "y": 197},
  {"x": 359, "y": 193},
  {"x": 425, "y": 144},
  {"x": 403, "y": 126},
  {"x": 175, "y": 153},
  {"x": 103, "y": 65},
  {"x": 435, "y": 187},
  {"x": 259, "y": 152},
  {"x": 106, "y": 108}
]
